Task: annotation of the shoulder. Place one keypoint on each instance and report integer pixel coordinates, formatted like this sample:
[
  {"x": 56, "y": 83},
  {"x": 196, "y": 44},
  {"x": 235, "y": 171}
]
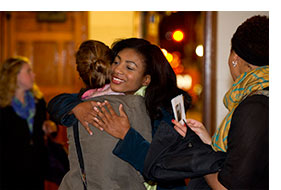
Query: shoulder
[
  {"x": 126, "y": 100},
  {"x": 40, "y": 102},
  {"x": 254, "y": 103},
  {"x": 6, "y": 110},
  {"x": 251, "y": 116}
]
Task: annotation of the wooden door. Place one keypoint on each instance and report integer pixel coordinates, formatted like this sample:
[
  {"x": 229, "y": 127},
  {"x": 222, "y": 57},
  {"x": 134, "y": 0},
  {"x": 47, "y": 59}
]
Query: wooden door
[{"x": 49, "y": 40}]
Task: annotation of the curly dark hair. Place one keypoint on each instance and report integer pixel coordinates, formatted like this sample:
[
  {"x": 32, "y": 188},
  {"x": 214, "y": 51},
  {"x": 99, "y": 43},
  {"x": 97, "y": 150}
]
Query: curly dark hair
[{"x": 251, "y": 40}]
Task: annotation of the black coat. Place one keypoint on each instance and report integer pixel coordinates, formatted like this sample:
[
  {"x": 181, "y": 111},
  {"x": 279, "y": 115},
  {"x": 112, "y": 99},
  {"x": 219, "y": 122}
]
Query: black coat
[
  {"x": 172, "y": 157},
  {"x": 23, "y": 158}
]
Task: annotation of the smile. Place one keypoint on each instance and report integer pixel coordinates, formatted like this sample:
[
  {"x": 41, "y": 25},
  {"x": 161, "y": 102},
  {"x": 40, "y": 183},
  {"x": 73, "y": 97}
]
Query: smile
[{"x": 117, "y": 80}]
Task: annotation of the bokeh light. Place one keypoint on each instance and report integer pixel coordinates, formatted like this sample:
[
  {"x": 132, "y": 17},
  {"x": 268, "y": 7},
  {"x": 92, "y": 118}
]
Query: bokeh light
[
  {"x": 199, "y": 50},
  {"x": 178, "y": 35}
]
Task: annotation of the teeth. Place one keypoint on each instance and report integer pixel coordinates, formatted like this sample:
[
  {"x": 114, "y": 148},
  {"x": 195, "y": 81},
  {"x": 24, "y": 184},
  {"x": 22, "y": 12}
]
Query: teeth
[{"x": 117, "y": 79}]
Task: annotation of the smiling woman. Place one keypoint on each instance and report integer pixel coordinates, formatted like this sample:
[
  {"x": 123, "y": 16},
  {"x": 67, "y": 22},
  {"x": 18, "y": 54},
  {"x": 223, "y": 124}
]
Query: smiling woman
[
  {"x": 127, "y": 76},
  {"x": 139, "y": 68},
  {"x": 128, "y": 72}
]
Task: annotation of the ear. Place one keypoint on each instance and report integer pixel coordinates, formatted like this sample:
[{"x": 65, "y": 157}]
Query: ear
[
  {"x": 235, "y": 57},
  {"x": 146, "y": 80}
]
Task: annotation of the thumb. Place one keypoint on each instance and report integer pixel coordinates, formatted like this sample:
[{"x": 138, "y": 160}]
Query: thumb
[{"x": 121, "y": 111}]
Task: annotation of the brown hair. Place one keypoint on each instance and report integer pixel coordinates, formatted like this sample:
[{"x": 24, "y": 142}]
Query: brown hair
[{"x": 93, "y": 60}]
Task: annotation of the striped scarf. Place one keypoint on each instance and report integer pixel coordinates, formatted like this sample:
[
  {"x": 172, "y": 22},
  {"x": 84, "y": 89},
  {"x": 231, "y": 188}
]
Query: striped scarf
[
  {"x": 26, "y": 110},
  {"x": 244, "y": 85}
]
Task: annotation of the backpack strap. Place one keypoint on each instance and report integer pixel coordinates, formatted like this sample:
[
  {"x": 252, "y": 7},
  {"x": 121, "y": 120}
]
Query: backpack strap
[{"x": 79, "y": 154}]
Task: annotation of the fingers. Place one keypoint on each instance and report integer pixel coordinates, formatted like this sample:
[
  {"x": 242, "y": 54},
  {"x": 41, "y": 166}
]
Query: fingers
[
  {"x": 122, "y": 111},
  {"x": 178, "y": 124},
  {"x": 194, "y": 125},
  {"x": 181, "y": 129},
  {"x": 96, "y": 123},
  {"x": 104, "y": 114},
  {"x": 109, "y": 107},
  {"x": 107, "y": 115},
  {"x": 99, "y": 124},
  {"x": 93, "y": 103},
  {"x": 86, "y": 126},
  {"x": 191, "y": 122},
  {"x": 200, "y": 130}
]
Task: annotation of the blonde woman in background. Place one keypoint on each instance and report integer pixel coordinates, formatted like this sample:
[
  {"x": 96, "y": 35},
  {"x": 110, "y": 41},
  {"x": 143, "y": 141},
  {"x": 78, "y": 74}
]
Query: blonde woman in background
[{"x": 23, "y": 156}]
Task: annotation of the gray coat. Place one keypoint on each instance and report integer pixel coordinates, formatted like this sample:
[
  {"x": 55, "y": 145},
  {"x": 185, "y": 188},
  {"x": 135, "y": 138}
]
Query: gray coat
[{"x": 103, "y": 169}]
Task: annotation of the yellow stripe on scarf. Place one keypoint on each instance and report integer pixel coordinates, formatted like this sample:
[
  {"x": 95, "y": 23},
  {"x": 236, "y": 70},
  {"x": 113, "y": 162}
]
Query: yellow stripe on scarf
[{"x": 244, "y": 85}]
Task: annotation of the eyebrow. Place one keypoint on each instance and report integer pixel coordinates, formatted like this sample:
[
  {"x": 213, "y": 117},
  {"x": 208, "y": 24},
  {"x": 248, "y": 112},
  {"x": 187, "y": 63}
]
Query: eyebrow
[{"x": 127, "y": 61}]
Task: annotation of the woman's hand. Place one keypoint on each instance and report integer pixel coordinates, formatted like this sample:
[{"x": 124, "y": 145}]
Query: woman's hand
[
  {"x": 181, "y": 129},
  {"x": 116, "y": 126},
  {"x": 213, "y": 182},
  {"x": 200, "y": 130},
  {"x": 195, "y": 126},
  {"x": 85, "y": 112},
  {"x": 49, "y": 127}
]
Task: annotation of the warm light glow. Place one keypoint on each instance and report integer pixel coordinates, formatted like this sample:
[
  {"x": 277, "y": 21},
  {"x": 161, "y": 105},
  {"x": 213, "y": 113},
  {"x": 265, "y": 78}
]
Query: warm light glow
[
  {"x": 199, "y": 50},
  {"x": 184, "y": 81},
  {"x": 179, "y": 69},
  {"x": 197, "y": 89},
  {"x": 178, "y": 35},
  {"x": 176, "y": 60},
  {"x": 169, "y": 57},
  {"x": 164, "y": 51}
]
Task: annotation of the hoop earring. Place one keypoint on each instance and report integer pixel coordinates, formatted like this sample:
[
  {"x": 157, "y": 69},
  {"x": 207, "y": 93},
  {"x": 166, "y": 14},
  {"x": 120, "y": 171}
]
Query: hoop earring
[{"x": 234, "y": 63}]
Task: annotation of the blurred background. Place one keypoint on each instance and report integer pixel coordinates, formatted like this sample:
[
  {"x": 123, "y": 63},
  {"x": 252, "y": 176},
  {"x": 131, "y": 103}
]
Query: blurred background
[{"x": 50, "y": 39}]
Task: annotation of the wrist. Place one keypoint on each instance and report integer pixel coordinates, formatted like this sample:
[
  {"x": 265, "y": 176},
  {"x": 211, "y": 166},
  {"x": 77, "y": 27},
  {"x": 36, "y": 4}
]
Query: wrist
[{"x": 125, "y": 133}]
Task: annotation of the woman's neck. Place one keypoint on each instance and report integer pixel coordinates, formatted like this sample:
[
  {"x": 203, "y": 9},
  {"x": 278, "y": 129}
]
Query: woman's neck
[{"x": 20, "y": 95}]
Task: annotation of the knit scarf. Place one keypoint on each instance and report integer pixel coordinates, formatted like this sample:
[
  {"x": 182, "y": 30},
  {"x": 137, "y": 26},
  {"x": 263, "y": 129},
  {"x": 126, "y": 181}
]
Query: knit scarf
[
  {"x": 26, "y": 110},
  {"x": 243, "y": 86}
]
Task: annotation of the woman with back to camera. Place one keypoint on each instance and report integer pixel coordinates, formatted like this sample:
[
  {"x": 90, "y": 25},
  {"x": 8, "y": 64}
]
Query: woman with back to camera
[
  {"x": 23, "y": 156},
  {"x": 244, "y": 132},
  {"x": 158, "y": 94},
  {"x": 92, "y": 155}
]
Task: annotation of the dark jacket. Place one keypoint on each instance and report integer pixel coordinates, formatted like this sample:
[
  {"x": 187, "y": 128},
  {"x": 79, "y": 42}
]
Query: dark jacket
[
  {"x": 60, "y": 106},
  {"x": 172, "y": 157},
  {"x": 248, "y": 146},
  {"x": 23, "y": 156},
  {"x": 103, "y": 169},
  {"x": 132, "y": 149}
]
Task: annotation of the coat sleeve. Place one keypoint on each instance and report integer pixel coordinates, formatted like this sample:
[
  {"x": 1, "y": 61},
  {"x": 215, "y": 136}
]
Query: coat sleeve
[
  {"x": 248, "y": 146},
  {"x": 132, "y": 149},
  {"x": 60, "y": 106}
]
